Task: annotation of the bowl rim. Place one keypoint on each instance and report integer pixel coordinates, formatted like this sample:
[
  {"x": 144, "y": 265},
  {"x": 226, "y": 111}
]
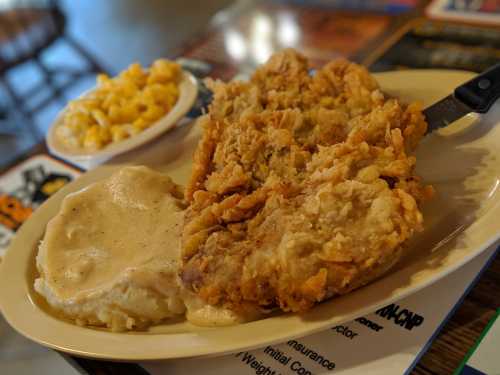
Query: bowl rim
[{"x": 188, "y": 92}]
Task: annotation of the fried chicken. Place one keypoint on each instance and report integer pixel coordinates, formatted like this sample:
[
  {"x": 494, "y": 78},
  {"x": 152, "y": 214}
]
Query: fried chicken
[{"x": 302, "y": 187}]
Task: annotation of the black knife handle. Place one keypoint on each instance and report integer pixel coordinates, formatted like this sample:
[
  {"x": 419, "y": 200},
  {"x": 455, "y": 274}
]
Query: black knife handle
[{"x": 482, "y": 91}]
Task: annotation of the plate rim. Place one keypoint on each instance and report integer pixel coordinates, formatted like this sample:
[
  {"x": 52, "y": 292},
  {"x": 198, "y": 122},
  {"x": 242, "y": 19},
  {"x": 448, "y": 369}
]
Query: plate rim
[{"x": 489, "y": 217}]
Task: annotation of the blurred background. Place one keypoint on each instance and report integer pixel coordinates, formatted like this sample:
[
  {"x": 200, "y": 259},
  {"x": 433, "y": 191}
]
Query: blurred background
[{"x": 50, "y": 51}]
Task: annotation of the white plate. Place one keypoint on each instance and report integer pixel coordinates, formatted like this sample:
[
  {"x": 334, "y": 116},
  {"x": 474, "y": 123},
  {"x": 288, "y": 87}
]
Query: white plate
[
  {"x": 188, "y": 90},
  {"x": 461, "y": 222}
]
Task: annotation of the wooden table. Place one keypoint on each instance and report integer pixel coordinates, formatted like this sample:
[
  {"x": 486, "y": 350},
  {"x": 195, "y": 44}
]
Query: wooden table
[
  {"x": 324, "y": 34},
  {"x": 465, "y": 326}
]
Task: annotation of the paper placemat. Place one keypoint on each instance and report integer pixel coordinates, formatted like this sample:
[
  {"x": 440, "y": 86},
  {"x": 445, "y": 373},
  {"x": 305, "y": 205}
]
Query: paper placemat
[{"x": 24, "y": 187}]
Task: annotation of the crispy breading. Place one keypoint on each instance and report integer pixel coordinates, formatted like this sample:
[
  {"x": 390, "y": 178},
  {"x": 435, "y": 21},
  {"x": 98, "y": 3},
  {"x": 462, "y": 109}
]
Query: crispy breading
[{"x": 302, "y": 187}]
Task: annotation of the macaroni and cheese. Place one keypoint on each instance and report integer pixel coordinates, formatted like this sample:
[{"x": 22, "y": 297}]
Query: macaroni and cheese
[{"x": 121, "y": 107}]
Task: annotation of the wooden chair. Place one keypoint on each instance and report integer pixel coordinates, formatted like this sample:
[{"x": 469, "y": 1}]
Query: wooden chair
[{"x": 27, "y": 29}]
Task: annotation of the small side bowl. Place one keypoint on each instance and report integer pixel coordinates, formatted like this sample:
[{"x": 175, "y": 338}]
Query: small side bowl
[{"x": 188, "y": 91}]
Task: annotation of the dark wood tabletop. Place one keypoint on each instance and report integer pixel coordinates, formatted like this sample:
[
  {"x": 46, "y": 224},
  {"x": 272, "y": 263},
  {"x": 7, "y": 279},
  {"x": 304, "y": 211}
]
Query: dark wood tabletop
[{"x": 364, "y": 37}]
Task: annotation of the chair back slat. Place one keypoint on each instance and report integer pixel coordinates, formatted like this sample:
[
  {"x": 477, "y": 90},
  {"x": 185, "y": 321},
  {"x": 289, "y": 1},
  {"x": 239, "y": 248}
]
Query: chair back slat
[{"x": 26, "y": 28}]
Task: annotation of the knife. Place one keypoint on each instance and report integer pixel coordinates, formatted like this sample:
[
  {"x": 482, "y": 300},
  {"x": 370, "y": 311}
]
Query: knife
[{"x": 476, "y": 95}]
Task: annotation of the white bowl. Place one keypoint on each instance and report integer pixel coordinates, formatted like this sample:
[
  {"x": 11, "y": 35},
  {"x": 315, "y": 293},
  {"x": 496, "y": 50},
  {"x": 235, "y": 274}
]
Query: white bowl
[{"x": 188, "y": 91}]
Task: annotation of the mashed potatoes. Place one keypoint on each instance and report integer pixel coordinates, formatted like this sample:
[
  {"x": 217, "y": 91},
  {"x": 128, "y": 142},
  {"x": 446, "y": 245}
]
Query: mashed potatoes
[{"x": 110, "y": 257}]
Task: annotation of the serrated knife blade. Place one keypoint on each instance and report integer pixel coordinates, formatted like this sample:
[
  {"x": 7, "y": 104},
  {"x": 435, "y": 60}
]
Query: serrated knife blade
[
  {"x": 444, "y": 112},
  {"x": 476, "y": 95}
]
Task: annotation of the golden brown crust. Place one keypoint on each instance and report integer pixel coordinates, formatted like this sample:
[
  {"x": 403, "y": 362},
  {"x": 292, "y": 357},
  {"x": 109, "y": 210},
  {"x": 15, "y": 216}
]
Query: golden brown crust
[{"x": 302, "y": 188}]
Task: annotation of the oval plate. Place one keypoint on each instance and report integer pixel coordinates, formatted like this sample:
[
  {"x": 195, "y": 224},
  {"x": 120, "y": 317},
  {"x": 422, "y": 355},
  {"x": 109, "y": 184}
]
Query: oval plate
[
  {"x": 461, "y": 222},
  {"x": 188, "y": 90}
]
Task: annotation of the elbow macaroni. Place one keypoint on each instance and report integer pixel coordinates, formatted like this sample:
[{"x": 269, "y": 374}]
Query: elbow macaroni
[{"x": 121, "y": 107}]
